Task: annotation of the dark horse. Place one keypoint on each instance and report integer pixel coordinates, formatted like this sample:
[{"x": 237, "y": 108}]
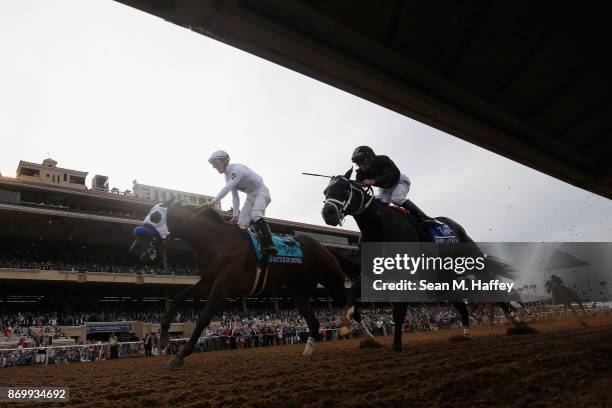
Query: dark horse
[
  {"x": 379, "y": 223},
  {"x": 561, "y": 294},
  {"x": 228, "y": 267}
]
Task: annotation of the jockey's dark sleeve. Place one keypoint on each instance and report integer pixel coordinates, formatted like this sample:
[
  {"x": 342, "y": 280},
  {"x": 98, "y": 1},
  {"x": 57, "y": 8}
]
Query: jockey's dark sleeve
[
  {"x": 383, "y": 171},
  {"x": 388, "y": 173}
]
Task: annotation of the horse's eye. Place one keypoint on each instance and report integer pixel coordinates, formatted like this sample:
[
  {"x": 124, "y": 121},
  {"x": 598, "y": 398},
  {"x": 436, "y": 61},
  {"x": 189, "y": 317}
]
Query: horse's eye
[{"x": 155, "y": 217}]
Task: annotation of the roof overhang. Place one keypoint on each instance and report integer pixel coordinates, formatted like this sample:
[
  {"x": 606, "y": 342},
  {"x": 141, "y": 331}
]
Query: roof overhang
[{"x": 529, "y": 80}]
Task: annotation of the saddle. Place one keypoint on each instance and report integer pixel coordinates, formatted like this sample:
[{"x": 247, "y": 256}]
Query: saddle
[{"x": 436, "y": 231}]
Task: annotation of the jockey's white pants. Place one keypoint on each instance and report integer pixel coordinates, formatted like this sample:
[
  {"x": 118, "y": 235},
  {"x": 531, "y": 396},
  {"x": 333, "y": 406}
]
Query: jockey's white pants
[
  {"x": 254, "y": 206},
  {"x": 395, "y": 194}
]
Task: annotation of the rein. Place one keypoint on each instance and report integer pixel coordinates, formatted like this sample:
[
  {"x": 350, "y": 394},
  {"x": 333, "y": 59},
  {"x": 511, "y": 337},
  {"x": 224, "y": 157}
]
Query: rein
[{"x": 192, "y": 216}]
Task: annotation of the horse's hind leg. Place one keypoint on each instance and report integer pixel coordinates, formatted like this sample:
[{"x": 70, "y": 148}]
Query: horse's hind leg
[
  {"x": 572, "y": 309},
  {"x": 215, "y": 299},
  {"x": 300, "y": 300},
  {"x": 332, "y": 277},
  {"x": 353, "y": 293},
  {"x": 584, "y": 312},
  {"x": 399, "y": 315},
  {"x": 338, "y": 292},
  {"x": 511, "y": 315},
  {"x": 465, "y": 317}
]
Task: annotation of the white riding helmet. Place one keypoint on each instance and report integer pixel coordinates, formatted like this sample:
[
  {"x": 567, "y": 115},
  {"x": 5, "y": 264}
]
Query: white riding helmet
[{"x": 219, "y": 155}]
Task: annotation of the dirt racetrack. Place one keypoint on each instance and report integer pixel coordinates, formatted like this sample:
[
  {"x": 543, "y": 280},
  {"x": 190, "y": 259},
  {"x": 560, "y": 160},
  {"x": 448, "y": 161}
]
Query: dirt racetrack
[{"x": 568, "y": 363}]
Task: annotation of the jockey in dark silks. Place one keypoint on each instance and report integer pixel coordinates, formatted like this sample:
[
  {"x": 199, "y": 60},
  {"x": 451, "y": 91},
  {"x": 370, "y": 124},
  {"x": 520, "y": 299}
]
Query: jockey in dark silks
[{"x": 381, "y": 172}]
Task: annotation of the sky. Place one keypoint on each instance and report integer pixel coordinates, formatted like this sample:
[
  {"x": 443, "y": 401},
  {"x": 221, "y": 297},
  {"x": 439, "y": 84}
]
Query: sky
[{"x": 104, "y": 88}]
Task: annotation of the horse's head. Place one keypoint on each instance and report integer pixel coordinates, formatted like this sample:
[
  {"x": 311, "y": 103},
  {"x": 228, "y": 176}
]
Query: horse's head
[
  {"x": 154, "y": 229},
  {"x": 344, "y": 197}
]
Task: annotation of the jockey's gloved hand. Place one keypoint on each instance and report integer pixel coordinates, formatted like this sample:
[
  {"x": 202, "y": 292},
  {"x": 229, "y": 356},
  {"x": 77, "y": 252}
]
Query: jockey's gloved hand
[{"x": 368, "y": 182}]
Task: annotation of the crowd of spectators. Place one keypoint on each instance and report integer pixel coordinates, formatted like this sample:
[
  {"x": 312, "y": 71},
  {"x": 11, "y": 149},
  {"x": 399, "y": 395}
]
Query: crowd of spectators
[
  {"x": 90, "y": 351},
  {"x": 30, "y": 328},
  {"x": 228, "y": 330},
  {"x": 72, "y": 206},
  {"x": 83, "y": 259}
]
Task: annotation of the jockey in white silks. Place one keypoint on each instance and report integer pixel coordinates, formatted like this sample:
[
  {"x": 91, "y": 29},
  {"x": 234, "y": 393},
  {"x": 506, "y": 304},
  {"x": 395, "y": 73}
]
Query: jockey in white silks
[{"x": 239, "y": 177}]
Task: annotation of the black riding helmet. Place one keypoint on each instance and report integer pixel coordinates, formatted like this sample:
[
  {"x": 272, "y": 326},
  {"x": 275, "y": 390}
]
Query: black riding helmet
[{"x": 362, "y": 153}]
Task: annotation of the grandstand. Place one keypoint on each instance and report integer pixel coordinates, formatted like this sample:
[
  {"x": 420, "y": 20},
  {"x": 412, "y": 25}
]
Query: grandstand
[{"x": 64, "y": 248}]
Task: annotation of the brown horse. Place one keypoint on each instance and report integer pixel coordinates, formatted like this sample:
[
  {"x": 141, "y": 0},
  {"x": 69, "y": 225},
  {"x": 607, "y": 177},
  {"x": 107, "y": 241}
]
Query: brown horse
[{"x": 227, "y": 264}]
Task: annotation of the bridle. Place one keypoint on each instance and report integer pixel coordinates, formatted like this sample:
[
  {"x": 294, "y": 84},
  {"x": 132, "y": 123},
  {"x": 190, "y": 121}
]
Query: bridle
[{"x": 341, "y": 207}]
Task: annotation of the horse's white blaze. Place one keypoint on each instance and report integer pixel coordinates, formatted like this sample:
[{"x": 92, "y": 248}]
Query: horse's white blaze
[{"x": 309, "y": 346}]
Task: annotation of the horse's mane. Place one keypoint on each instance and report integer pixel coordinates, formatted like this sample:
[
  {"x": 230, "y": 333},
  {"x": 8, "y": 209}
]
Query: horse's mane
[{"x": 209, "y": 213}]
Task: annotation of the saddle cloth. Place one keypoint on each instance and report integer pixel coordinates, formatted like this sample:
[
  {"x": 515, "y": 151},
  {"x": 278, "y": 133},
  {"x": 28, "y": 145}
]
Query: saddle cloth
[
  {"x": 289, "y": 252},
  {"x": 288, "y": 249}
]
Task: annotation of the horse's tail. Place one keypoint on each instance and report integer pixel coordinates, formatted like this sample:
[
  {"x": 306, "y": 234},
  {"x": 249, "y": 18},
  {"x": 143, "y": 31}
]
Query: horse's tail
[
  {"x": 495, "y": 266},
  {"x": 499, "y": 268}
]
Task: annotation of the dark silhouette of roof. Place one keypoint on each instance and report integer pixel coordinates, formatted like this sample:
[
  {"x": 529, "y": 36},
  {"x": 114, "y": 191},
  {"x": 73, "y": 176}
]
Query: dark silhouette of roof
[{"x": 530, "y": 80}]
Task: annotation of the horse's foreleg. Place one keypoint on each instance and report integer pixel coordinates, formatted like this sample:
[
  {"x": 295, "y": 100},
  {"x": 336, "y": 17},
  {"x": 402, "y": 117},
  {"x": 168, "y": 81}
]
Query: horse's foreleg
[
  {"x": 212, "y": 303},
  {"x": 177, "y": 303},
  {"x": 399, "y": 315},
  {"x": 300, "y": 300}
]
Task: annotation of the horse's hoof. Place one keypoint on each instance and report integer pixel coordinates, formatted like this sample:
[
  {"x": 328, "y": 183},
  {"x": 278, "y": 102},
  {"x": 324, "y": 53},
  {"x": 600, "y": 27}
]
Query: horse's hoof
[
  {"x": 458, "y": 339},
  {"x": 345, "y": 330},
  {"x": 397, "y": 347},
  {"x": 309, "y": 347},
  {"x": 175, "y": 363},
  {"x": 520, "y": 330}
]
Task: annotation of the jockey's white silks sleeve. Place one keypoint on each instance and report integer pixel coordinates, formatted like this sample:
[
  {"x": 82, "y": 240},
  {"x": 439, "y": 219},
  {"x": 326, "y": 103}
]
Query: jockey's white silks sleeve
[
  {"x": 231, "y": 185},
  {"x": 235, "y": 203}
]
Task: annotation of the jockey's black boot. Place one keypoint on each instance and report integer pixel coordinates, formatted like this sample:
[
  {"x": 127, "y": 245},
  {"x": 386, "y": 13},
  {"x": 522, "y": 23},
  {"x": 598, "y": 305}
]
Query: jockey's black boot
[
  {"x": 265, "y": 237},
  {"x": 424, "y": 221}
]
